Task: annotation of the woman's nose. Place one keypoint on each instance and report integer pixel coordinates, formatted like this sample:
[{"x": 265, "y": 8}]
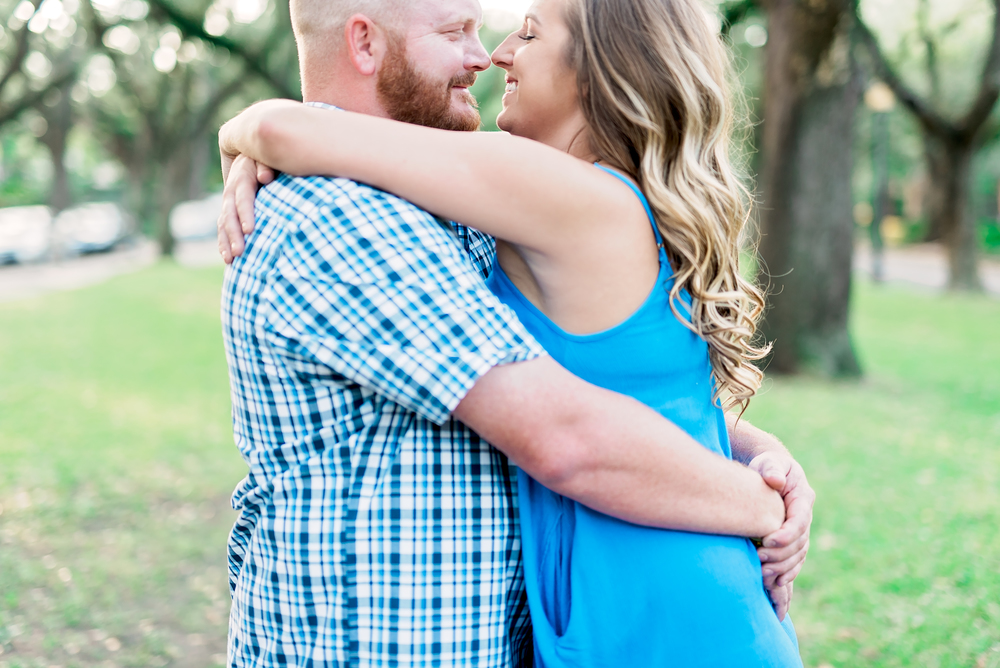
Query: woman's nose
[{"x": 503, "y": 55}]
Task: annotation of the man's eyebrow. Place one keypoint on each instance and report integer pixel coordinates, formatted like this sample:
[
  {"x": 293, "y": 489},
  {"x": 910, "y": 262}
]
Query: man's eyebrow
[{"x": 460, "y": 20}]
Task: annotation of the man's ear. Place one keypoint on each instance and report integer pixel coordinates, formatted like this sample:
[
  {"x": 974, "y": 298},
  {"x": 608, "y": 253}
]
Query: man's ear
[{"x": 366, "y": 44}]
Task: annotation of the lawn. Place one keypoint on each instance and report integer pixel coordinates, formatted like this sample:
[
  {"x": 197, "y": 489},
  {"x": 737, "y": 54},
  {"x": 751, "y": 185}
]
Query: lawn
[{"x": 116, "y": 463}]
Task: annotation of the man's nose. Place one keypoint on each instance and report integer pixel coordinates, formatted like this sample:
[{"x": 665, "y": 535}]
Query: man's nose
[{"x": 477, "y": 59}]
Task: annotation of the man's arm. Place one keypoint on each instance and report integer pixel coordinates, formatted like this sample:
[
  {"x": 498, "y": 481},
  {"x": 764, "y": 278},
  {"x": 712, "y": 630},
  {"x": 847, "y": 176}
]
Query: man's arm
[{"x": 614, "y": 454}]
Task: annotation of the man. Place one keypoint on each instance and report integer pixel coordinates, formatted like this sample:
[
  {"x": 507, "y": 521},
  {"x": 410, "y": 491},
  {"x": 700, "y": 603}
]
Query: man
[{"x": 375, "y": 527}]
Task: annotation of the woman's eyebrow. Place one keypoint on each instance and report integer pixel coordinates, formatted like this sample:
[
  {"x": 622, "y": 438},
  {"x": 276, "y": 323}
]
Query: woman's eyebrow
[{"x": 533, "y": 18}]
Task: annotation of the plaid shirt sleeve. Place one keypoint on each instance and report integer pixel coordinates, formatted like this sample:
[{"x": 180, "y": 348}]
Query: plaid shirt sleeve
[{"x": 380, "y": 293}]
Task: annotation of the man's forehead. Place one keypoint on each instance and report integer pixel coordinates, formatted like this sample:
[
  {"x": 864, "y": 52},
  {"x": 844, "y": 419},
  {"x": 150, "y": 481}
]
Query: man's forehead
[{"x": 436, "y": 13}]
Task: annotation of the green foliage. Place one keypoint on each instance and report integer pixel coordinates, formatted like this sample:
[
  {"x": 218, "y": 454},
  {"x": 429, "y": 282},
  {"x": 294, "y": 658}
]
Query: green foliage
[
  {"x": 989, "y": 231},
  {"x": 489, "y": 88},
  {"x": 25, "y": 168},
  {"x": 902, "y": 570}
]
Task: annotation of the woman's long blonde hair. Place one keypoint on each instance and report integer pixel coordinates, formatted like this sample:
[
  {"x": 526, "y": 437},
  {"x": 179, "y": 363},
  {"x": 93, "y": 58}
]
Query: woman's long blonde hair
[{"x": 654, "y": 86}]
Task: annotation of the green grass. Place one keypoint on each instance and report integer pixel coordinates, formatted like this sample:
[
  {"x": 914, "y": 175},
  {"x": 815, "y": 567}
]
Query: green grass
[
  {"x": 904, "y": 568},
  {"x": 116, "y": 462}
]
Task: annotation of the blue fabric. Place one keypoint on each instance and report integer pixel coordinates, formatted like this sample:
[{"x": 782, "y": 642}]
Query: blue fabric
[
  {"x": 607, "y": 593},
  {"x": 373, "y": 529}
]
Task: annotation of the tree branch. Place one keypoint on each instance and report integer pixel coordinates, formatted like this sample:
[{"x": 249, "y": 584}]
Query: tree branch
[
  {"x": 34, "y": 98},
  {"x": 19, "y": 55},
  {"x": 734, "y": 12},
  {"x": 223, "y": 94},
  {"x": 989, "y": 88},
  {"x": 928, "y": 117},
  {"x": 191, "y": 27}
]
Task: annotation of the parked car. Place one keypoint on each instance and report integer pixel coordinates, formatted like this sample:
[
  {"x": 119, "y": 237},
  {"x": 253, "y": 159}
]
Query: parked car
[
  {"x": 90, "y": 228},
  {"x": 196, "y": 219},
  {"x": 25, "y": 233}
]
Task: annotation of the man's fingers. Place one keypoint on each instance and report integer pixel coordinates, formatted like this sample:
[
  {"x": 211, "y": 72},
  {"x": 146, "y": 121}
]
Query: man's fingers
[
  {"x": 779, "y": 554},
  {"x": 779, "y": 568},
  {"x": 774, "y": 479},
  {"x": 784, "y": 572},
  {"x": 779, "y": 599},
  {"x": 774, "y": 472},
  {"x": 798, "y": 518},
  {"x": 788, "y": 577}
]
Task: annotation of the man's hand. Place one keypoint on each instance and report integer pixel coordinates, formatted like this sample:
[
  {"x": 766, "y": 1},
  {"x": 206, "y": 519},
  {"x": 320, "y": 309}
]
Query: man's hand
[
  {"x": 243, "y": 177},
  {"x": 784, "y": 551},
  {"x": 781, "y": 599}
]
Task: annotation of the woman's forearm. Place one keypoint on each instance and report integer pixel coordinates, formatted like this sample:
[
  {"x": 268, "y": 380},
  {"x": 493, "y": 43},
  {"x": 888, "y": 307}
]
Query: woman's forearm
[{"x": 519, "y": 190}]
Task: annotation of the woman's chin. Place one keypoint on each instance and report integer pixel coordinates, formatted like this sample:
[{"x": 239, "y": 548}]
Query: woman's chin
[{"x": 503, "y": 121}]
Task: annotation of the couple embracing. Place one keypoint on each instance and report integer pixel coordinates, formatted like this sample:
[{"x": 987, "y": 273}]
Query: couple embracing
[{"x": 510, "y": 439}]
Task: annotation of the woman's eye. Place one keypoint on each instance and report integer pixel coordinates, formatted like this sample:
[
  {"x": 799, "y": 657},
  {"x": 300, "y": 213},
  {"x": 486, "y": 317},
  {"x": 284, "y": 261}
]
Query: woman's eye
[{"x": 527, "y": 37}]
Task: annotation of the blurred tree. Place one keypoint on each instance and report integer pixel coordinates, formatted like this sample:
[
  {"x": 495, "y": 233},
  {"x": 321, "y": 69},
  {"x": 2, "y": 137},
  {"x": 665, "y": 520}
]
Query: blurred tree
[
  {"x": 41, "y": 66},
  {"x": 160, "y": 118},
  {"x": 57, "y": 110},
  {"x": 950, "y": 144},
  {"x": 811, "y": 91},
  {"x": 27, "y": 74}
]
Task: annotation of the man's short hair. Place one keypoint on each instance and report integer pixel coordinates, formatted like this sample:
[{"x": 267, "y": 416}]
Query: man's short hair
[{"x": 325, "y": 19}]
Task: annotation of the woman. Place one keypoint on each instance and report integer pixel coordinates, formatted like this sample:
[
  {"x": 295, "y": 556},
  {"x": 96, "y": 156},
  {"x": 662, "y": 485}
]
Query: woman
[{"x": 618, "y": 231}]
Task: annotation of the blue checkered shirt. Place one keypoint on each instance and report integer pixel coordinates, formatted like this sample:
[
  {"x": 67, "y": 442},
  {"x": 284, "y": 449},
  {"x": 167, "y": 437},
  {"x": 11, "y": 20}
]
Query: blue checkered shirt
[{"x": 373, "y": 529}]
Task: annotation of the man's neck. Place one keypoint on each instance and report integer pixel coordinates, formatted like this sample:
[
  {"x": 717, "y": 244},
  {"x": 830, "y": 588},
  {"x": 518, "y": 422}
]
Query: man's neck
[{"x": 345, "y": 92}]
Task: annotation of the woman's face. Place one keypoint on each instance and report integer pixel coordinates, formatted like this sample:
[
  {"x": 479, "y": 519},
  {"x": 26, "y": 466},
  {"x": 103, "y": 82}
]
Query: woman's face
[{"x": 541, "y": 101}]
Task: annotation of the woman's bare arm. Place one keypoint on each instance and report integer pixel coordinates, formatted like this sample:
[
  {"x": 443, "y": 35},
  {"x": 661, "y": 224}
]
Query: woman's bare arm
[{"x": 517, "y": 189}]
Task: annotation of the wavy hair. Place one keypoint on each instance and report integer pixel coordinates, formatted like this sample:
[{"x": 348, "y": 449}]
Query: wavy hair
[{"x": 653, "y": 79}]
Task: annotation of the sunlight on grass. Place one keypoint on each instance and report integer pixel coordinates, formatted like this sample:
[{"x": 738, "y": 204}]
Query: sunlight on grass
[{"x": 117, "y": 463}]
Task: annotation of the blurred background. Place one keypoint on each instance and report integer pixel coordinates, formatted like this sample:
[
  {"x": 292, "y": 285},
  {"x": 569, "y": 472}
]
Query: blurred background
[{"x": 872, "y": 146}]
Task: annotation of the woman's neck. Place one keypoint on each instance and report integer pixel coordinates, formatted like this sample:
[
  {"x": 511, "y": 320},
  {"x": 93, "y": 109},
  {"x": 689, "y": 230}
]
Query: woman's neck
[{"x": 571, "y": 137}]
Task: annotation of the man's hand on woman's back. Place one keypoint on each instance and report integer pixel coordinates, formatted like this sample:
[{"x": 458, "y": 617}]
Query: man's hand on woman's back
[{"x": 784, "y": 552}]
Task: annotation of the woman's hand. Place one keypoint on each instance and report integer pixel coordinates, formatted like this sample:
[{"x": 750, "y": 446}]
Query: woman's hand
[{"x": 243, "y": 176}]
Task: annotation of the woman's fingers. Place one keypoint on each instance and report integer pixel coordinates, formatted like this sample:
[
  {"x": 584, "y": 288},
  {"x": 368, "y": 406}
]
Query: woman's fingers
[
  {"x": 245, "y": 194},
  {"x": 230, "y": 235},
  {"x": 264, "y": 174}
]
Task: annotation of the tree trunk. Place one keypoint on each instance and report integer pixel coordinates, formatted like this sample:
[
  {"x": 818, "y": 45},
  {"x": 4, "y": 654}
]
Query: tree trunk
[
  {"x": 811, "y": 93},
  {"x": 949, "y": 165},
  {"x": 59, "y": 118},
  {"x": 172, "y": 187}
]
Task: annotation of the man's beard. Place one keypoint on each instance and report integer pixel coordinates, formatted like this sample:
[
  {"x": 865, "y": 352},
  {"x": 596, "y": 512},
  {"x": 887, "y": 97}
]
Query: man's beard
[{"x": 412, "y": 98}]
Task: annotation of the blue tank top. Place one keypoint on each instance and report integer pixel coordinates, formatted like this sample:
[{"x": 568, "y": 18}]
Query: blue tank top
[{"x": 607, "y": 593}]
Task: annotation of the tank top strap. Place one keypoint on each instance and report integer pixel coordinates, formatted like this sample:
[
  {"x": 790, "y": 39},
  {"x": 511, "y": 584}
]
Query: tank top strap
[{"x": 642, "y": 198}]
